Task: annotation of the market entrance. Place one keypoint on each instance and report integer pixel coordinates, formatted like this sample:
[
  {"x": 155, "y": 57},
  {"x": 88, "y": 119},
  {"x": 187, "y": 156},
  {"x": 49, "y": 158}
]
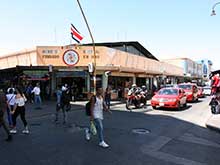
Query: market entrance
[{"x": 76, "y": 81}]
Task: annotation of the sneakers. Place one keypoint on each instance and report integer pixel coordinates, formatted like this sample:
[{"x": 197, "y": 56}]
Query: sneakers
[
  {"x": 103, "y": 144},
  {"x": 87, "y": 134},
  {"x": 25, "y": 131},
  {"x": 13, "y": 131}
]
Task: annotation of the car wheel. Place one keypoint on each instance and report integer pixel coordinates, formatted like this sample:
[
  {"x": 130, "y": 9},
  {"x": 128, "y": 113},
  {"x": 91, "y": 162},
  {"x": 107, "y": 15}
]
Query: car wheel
[
  {"x": 185, "y": 105},
  {"x": 154, "y": 107}
]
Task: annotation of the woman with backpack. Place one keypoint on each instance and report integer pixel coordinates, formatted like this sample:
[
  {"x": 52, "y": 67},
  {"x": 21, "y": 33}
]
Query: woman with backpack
[{"x": 96, "y": 108}]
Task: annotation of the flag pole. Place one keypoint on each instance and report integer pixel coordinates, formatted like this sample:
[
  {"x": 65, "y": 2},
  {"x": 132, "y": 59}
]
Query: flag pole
[{"x": 93, "y": 43}]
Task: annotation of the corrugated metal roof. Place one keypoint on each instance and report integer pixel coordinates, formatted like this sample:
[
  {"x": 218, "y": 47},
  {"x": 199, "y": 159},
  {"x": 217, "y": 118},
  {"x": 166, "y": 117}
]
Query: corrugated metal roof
[{"x": 135, "y": 44}]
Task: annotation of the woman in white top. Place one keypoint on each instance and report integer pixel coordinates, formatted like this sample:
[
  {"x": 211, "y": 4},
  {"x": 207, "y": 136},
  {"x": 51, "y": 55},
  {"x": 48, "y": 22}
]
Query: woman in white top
[
  {"x": 97, "y": 106},
  {"x": 19, "y": 109}
]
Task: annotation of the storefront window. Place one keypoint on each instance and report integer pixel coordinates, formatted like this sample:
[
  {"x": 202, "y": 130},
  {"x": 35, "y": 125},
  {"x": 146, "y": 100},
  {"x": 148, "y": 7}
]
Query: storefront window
[{"x": 119, "y": 85}]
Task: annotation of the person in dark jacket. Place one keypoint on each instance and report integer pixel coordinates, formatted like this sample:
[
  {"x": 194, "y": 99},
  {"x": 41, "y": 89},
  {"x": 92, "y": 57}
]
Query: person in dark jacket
[
  {"x": 3, "y": 107},
  {"x": 65, "y": 102},
  {"x": 107, "y": 97},
  {"x": 59, "y": 105}
]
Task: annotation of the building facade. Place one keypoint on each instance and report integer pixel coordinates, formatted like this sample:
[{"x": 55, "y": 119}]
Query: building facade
[
  {"x": 192, "y": 70},
  {"x": 127, "y": 63}
]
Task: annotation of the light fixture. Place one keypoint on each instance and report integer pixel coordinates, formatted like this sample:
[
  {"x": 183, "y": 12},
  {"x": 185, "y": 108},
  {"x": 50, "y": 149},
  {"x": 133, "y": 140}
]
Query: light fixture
[
  {"x": 213, "y": 8},
  {"x": 213, "y": 13}
]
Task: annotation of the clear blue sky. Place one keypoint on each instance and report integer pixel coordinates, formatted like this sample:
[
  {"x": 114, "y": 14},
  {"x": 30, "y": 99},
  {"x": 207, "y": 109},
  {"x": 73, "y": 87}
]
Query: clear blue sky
[{"x": 168, "y": 29}]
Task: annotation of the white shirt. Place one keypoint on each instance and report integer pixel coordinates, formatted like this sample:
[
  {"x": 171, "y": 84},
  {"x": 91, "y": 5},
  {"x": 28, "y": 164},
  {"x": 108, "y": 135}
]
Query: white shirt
[
  {"x": 98, "y": 109},
  {"x": 11, "y": 99},
  {"x": 20, "y": 101},
  {"x": 36, "y": 91}
]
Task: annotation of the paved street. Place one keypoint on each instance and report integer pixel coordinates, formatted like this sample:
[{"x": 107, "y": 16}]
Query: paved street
[{"x": 171, "y": 137}]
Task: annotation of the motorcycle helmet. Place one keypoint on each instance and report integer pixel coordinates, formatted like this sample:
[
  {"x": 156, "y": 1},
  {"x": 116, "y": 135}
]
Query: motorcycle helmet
[
  {"x": 134, "y": 86},
  {"x": 143, "y": 87}
]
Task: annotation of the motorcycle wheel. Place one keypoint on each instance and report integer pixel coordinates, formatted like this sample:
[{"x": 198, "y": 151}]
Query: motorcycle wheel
[
  {"x": 213, "y": 110},
  {"x": 128, "y": 104}
]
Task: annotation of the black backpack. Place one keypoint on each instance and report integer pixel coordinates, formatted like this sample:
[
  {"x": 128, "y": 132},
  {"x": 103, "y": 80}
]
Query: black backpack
[{"x": 88, "y": 105}]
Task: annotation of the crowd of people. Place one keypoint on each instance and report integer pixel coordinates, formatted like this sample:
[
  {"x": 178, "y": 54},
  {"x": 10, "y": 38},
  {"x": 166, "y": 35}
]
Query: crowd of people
[{"x": 13, "y": 100}]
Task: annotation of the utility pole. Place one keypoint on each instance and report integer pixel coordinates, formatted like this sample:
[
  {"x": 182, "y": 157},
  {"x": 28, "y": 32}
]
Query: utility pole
[{"x": 93, "y": 43}]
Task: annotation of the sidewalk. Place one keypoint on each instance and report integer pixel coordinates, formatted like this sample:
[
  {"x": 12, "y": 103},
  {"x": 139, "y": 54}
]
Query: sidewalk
[{"x": 214, "y": 122}]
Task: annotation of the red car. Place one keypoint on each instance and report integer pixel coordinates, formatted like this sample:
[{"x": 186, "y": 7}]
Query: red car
[
  {"x": 169, "y": 98},
  {"x": 191, "y": 91}
]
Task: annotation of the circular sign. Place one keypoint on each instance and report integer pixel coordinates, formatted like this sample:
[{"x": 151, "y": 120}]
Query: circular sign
[{"x": 70, "y": 57}]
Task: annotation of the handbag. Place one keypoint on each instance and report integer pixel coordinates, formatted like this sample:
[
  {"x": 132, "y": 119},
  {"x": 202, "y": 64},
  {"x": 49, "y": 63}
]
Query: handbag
[{"x": 93, "y": 128}]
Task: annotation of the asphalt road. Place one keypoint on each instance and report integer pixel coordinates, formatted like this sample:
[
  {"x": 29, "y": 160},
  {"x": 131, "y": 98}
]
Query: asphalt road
[{"x": 167, "y": 137}]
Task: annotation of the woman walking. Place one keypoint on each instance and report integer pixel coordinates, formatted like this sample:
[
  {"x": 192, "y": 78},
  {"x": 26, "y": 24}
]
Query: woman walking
[
  {"x": 19, "y": 109},
  {"x": 10, "y": 101}
]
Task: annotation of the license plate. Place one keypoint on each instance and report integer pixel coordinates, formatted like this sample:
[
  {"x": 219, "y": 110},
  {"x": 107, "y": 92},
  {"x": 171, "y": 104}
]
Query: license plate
[{"x": 161, "y": 104}]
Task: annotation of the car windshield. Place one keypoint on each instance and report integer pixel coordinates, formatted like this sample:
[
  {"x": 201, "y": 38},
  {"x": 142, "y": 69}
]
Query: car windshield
[
  {"x": 187, "y": 87},
  {"x": 168, "y": 92}
]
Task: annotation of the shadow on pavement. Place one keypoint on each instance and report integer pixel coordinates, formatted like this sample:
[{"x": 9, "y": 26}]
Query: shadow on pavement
[
  {"x": 134, "y": 138},
  {"x": 174, "y": 109}
]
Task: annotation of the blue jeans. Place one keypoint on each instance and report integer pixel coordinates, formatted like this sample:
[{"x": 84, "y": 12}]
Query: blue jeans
[
  {"x": 37, "y": 100},
  {"x": 107, "y": 102},
  {"x": 99, "y": 127},
  {"x": 9, "y": 115}
]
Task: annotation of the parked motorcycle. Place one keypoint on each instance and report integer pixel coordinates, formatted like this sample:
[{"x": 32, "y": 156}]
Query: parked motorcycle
[
  {"x": 215, "y": 105},
  {"x": 136, "y": 99}
]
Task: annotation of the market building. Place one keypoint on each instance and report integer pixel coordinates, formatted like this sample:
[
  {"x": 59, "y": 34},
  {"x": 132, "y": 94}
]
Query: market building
[{"x": 125, "y": 62}]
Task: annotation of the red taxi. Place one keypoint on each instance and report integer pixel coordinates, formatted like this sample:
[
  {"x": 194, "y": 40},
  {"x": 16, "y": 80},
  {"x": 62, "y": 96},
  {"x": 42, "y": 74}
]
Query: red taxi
[
  {"x": 191, "y": 91},
  {"x": 169, "y": 98}
]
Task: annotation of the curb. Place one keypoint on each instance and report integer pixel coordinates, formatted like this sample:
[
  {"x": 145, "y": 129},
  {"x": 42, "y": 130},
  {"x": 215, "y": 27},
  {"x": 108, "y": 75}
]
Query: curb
[
  {"x": 213, "y": 123},
  {"x": 216, "y": 129}
]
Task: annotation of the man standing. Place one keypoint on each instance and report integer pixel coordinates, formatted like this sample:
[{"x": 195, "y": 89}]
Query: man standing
[
  {"x": 3, "y": 107},
  {"x": 28, "y": 93},
  {"x": 37, "y": 97},
  {"x": 65, "y": 103},
  {"x": 59, "y": 105}
]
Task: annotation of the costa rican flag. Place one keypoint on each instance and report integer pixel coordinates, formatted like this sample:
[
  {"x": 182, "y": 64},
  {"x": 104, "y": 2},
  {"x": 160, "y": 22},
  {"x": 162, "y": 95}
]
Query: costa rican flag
[{"x": 76, "y": 34}]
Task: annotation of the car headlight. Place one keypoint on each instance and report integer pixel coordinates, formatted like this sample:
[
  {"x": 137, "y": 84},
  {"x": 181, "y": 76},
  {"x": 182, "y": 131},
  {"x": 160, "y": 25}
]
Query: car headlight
[
  {"x": 188, "y": 93},
  {"x": 154, "y": 99}
]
